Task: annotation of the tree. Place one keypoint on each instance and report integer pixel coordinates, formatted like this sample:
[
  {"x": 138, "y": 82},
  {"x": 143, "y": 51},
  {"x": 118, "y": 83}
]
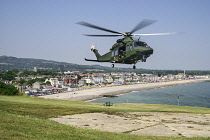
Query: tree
[
  {"x": 27, "y": 73},
  {"x": 9, "y": 75},
  {"x": 6, "y": 89},
  {"x": 22, "y": 81},
  {"x": 14, "y": 70},
  {"x": 159, "y": 75},
  {"x": 48, "y": 83}
]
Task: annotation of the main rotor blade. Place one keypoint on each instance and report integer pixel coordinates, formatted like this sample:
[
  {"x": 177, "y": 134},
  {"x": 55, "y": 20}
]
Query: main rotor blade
[
  {"x": 157, "y": 34},
  {"x": 97, "y": 27},
  {"x": 103, "y": 35},
  {"x": 143, "y": 24}
]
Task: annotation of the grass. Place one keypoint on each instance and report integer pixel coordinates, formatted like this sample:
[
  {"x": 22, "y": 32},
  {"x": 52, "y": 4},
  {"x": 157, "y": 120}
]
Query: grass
[{"x": 27, "y": 118}]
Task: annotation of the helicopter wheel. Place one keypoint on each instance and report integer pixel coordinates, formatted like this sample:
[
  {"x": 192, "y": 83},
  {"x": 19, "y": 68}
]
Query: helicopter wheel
[
  {"x": 144, "y": 60},
  {"x": 134, "y": 67},
  {"x": 112, "y": 65}
]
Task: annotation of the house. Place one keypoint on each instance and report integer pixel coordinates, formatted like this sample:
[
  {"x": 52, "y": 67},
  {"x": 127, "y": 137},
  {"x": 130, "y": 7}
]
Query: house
[
  {"x": 53, "y": 81},
  {"x": 87, "y": 80},
  {"x": 108, "y": 79},
  {"x": 36, "y": 85},
  {"x": 98, "y": 79}
]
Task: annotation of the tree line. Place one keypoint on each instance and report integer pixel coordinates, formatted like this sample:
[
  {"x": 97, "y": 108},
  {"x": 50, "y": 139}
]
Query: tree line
[{"x": 12, "y": 74}]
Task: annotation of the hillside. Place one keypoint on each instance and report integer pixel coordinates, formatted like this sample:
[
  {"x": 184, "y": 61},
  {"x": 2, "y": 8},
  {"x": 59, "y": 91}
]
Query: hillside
[
  {"x": 28, "y": 118},
  {"x": 8, "y": 63}
]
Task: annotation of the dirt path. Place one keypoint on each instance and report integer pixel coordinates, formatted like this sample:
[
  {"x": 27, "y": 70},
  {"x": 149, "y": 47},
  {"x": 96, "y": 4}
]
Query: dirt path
[{"x": 143, "y": 123}]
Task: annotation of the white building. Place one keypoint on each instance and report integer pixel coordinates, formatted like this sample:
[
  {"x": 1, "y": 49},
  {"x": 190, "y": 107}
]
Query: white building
[
  {"x": 98, "y": 79},
  {"x": 53, "y": 81},
  {"x": 108, "y": 79}
]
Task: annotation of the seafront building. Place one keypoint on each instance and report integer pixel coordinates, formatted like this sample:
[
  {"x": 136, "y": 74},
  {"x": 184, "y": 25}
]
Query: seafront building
[{"x": 74, "y": 80}]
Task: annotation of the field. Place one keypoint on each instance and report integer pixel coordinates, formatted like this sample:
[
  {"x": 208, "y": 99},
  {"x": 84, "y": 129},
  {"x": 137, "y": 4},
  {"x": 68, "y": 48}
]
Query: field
[{"x": 24, "y": 117}]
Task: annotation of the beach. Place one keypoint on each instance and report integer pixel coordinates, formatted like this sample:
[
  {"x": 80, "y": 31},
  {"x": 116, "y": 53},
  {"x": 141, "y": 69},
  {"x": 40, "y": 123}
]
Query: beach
[{"x": 98, "y": 92}]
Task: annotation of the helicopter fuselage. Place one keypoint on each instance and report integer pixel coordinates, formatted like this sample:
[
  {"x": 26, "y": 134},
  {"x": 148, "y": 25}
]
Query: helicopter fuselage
[{"x": 125, "y": 51}]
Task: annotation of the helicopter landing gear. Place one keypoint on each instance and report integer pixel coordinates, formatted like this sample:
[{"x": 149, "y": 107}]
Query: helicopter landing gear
[
  {"x": 144, "y": 60},
  {"x": 134, "y": 66},
  {"x": 112, "y": 65}
]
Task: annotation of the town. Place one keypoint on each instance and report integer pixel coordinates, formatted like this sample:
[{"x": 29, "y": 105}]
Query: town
[{"x": 39, "y": 83}]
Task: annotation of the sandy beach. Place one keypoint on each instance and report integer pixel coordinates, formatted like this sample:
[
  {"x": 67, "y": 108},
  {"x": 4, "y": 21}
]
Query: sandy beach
[{"x": 93, "y": 93}]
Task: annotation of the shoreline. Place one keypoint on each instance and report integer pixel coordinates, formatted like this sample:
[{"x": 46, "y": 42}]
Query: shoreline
[{"x": 96, "y": 93}]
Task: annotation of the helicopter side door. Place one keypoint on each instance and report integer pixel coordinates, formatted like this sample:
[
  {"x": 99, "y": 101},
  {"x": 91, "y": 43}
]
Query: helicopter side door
[
  {"x": 115, "y": 55},
  {"x": 121, "y": 53},
  {"x": 129, "y": 48}
]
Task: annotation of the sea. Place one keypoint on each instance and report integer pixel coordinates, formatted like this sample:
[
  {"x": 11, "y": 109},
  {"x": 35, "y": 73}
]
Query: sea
[{"x": 195, "y": 94}]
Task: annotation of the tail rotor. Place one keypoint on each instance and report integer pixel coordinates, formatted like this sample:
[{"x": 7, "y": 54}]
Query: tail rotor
[{"x": 93, "y": 47}]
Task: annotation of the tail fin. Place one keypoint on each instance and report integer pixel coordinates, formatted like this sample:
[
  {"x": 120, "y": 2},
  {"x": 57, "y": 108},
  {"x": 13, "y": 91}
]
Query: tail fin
[
  {"x": 98, "y": 56},
  {"x": 93, "y": 48}
]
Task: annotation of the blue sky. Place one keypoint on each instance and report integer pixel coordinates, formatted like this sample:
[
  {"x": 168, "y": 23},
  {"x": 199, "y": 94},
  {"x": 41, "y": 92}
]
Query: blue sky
[{"x": 46, "y": 29}]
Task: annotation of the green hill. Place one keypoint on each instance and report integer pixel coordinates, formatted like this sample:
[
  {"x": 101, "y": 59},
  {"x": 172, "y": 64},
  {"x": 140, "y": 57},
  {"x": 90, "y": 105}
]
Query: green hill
[
  {"x": 27, "y": 118},
  {"x": 8, "y": 63}
]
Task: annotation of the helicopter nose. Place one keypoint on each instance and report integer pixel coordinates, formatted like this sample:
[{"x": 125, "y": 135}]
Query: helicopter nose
[{"x": 148, "y": 51}]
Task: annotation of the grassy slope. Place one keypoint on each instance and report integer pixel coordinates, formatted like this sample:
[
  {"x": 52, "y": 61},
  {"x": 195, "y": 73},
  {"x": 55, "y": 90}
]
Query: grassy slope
[{"x": 26, "y": 118}]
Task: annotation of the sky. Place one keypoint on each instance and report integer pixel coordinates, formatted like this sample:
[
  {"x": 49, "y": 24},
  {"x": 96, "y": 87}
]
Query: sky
[{"x": 47, "y": 29}]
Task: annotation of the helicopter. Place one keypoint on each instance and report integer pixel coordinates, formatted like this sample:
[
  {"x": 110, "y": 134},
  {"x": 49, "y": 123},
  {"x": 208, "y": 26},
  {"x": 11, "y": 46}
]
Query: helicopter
[{"x": 125, "y": 50}]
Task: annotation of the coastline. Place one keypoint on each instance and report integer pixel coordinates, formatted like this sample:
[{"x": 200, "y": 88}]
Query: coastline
[{"x": 94, "y": 93}]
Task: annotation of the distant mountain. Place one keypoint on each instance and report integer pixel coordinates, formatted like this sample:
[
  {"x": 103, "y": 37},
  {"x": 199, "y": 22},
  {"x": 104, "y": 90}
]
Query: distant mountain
[{"x": 8, "y": 63}]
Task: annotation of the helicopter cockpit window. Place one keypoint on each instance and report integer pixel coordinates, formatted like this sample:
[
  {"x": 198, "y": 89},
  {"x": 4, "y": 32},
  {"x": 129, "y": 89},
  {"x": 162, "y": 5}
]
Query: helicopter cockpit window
[
  {"x": 115, "y": 52},
  {"x": 138, "y": 44},
  {"x": 129, "y": 48}
]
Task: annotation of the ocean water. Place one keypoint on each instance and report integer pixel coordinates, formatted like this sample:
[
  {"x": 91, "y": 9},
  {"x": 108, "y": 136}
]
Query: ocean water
[{"x": 196, "y": 94}]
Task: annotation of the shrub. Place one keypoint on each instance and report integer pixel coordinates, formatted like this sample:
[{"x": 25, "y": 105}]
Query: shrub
[{"x": 6, "y": 89}]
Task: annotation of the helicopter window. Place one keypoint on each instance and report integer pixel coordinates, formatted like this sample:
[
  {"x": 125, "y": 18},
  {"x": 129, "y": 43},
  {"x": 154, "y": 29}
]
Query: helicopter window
[
  {"x": 112, "y": 53},
  {"x": 137, "y": 44},
  {"x": 128, "y": 48},
  {"x": 116, "y": 52},
  {"x": 131, "y": 47}
]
